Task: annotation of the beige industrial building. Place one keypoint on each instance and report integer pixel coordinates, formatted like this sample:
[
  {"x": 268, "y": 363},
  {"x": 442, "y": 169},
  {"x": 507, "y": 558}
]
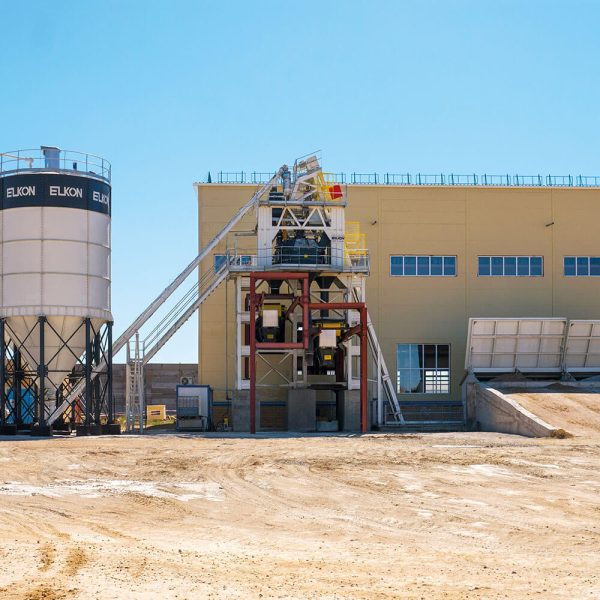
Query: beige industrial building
[{"x": 439, "y": 255}]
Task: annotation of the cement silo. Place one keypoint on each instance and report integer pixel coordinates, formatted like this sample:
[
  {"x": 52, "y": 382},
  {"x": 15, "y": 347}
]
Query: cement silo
[{"x": 55, "y": 313}]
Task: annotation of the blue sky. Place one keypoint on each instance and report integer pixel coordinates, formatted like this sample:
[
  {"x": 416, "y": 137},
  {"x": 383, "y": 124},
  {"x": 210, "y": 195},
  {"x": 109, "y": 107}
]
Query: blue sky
[{"x": 170, "y": 90}]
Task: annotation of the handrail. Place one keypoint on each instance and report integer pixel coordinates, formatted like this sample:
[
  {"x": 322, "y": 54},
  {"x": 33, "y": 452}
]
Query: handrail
[
  {"x": 70, "y": 161},
  {"x": 438, "y": 179}
]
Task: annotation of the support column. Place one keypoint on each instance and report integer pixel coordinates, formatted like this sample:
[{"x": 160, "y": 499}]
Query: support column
[
  {"x": 40, "y": 428},
  {"x": 16, "y": 383},
  {"x": 109, "y": 374},
  {"x": 380, "y": 415},
  {"x": 364, "y": 372},
  {"x": 88, "y": 373},
  {"x": 97, "y": 388},
  {"x": 2, "y": 376},
  {"x": 252, "y": 353},
  {"x": 42, "y": 369}
]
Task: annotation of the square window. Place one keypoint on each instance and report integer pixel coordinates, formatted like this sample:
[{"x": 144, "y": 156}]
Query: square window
[
  {"x": 436, "y": 265},
  {"x": 484, "y": 266},
  {"x": 410, "y": 265},
  {"x": 569, "y": 266},
  {"x": 583, "y": 266},
  {"x": 510, "y": 265},
  {"x": 523, "y": 266},
  {"x": 595, "y": 266},
  {"x": 497, "y": 265},
  {"x": 423, "y": 368},
  {"x": 450, "y": 265},
  {"x": 396, "y": 265},
  {"x": 423, "y": 265},
  {"x": 536, "y": 266}
]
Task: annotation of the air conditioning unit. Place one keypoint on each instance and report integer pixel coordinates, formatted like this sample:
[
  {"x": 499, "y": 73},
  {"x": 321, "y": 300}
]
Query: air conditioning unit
[{"x": 186, "y": 380}]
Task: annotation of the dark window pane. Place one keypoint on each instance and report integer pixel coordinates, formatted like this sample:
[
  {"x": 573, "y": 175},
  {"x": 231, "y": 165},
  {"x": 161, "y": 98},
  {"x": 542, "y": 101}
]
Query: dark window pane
[
  {"x": 450, "y": 265},
  {"x": 484, "y": 266},
  {"x": 443, "y": 351},
  {"x": 423, "y": 265},
  {"x": 510, "y": 265},
  {"x": 219, "y": 261},
  {"x": 396, "y": 265},
  {"x": 569, "y": 263},
  {"x": 523, "y": 266},
  {"x": 429, "y": 356},
  {"x": 410, "y": 265},
  {"x": 436, "y": 265},
  {"x": 595, "y": 266},
  {"x": 497, "y": 265},
  {"x": 536, "y": 268},
  {"x": 275, "y": 215},
  {"x": 582, "y": 266}
]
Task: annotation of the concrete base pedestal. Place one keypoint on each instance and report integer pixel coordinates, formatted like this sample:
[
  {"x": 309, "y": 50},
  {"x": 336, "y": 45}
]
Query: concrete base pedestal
[
  {"x": 302, "y": 410},
  {"x": 240, "y": 412},
  {"x": 348, "y": 410}
]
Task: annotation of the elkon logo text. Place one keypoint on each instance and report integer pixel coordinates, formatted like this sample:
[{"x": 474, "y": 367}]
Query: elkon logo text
[
  {"x": 98, "y": 197},
  {"x": 21, "y": 191},
  {"x": 64, "y": 191}
]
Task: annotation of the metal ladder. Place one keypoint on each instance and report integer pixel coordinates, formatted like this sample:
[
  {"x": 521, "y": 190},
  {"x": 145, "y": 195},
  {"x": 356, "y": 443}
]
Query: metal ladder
[{"x": 162, "y": 333}]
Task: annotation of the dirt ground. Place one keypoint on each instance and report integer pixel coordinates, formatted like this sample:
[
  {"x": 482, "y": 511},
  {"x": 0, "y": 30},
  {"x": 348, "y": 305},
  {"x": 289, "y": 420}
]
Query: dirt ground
[
  {"x": 464, "y": 515},
  {"x": 575, "y": 410}
]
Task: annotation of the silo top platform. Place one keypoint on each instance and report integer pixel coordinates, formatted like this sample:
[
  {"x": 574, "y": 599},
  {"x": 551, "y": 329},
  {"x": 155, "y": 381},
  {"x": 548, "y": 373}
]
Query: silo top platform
[{"x": 51, "y": 159}]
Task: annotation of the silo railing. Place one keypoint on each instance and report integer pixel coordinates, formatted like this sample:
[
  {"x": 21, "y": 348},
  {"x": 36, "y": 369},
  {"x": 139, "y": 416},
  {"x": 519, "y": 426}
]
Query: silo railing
[{"x": 39, "y": 159}]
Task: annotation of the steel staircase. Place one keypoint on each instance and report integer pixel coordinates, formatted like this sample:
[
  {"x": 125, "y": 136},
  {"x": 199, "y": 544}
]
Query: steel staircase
[
  {"x": 178, "y": 315},
  {"x": 383, "y": 375}
]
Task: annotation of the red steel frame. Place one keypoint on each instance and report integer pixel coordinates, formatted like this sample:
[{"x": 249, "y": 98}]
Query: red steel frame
[{"x": 304, "y": 302}]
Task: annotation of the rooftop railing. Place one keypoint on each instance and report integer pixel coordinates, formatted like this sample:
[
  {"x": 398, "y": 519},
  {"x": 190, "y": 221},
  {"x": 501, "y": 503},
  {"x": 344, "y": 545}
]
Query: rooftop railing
[
  {"x": 424, "y": 179},
  {"x": 54, "y": 159},
  {"x": 311, "y": 258}
]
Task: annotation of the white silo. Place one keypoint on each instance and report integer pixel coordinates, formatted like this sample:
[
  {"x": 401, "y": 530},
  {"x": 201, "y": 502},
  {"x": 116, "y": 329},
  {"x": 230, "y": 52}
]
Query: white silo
[{"x": 55, "y": 219}]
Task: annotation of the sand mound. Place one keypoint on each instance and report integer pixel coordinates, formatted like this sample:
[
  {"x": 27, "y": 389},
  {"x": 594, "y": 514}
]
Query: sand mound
[{"x": 572, "y": 409}]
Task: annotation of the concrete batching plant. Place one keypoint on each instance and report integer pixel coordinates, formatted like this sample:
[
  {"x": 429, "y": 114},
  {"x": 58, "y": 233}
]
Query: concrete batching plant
[{"x": 55, "y": 315}]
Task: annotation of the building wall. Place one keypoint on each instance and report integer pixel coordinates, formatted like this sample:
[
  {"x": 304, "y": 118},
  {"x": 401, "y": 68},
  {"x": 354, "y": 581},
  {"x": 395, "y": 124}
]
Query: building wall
[
  {"x": 160, "y": 380},
  {"x": 462, "y": 221}
]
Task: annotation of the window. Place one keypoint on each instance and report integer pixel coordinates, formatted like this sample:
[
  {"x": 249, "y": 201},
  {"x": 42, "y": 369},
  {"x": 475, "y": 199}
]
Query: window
[
  {"x": 423, "y": 368},
  {"x": 219, "y": 261},
  {"x": 240, "y": 260},
  {"x": 510, "y": 266},
  {"x": 582, "y": 266},
  {"x": 423, "y": 266}
]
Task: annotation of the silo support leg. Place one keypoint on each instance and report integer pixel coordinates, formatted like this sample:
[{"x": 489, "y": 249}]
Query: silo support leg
[
  {"x": 2, "y": 378},
  {"x": 41, "y": 428}
]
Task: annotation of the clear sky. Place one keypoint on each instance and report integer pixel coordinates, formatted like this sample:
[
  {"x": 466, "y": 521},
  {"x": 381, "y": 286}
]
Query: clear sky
[{"x": 168, "y": 90}]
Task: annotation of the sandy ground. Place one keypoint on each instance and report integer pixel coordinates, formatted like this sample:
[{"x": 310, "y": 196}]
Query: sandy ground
[
  {"x": 572, "y": 409},
  {"x": 466, "y": 515}
]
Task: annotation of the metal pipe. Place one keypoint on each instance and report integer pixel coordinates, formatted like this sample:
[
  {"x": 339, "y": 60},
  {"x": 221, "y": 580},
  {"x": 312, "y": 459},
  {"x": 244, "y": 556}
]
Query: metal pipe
[{"x": 279, "y": 345}]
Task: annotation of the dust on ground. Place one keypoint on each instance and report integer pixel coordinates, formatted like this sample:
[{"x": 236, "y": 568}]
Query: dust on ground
[{"x": 465, "y": 515}]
